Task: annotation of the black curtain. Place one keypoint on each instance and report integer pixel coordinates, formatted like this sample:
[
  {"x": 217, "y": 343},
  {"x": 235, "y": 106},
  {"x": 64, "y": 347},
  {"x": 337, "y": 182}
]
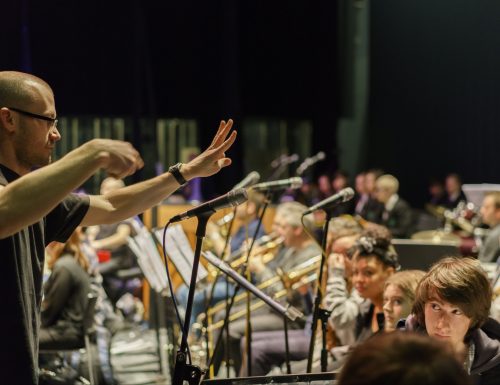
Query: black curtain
[
  {"x": 435, "y": 91},
  {"x": 206, "y": 60}
]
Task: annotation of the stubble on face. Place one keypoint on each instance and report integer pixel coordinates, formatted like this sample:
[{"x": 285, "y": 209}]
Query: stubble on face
[{"x": 33, "y": 144}]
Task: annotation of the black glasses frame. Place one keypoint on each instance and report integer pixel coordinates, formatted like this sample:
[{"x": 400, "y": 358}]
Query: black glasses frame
[{"x": 32, "y": 115}]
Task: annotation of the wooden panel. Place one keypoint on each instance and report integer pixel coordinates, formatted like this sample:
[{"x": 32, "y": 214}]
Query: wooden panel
[{"x": 165, "y": 212}]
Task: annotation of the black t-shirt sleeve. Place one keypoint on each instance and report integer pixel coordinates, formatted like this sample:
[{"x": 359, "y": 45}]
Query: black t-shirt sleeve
[{"x": 65, "y": 218}]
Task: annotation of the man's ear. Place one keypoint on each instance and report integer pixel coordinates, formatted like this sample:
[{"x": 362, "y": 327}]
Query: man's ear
[
  {"x": 297, "y": 231},
  {"x": 6, "y": 119}
]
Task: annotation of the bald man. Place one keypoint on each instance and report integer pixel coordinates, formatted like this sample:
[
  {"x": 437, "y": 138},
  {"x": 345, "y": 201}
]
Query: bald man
[{"x": 37, "y": 207}]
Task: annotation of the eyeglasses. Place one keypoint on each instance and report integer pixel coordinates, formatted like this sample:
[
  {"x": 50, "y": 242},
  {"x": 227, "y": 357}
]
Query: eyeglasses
[{"x": 36, "y": 116}]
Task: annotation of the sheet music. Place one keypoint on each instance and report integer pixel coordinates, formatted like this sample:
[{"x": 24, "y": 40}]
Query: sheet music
[
  {"x": 143, "y": 246},
  {"x": 180, "y": 252},
  {"x": 475, "y": 192},
  {"x": 145, "y": 265}
]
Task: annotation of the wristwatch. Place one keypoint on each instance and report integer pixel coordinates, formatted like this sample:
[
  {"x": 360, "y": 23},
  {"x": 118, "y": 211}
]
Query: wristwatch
[{"x": 175, "y": 170}]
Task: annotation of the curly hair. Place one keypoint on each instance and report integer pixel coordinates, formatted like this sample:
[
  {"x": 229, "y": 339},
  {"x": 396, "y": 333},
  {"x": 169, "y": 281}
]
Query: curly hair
[{"x": 377, "y": 242}]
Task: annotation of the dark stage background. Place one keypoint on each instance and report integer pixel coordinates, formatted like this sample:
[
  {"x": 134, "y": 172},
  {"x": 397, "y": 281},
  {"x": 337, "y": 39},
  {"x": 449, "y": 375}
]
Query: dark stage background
[
  {"x": 434, "y": 78},
  {"x": 202, "y": 60},
  {"x": 435, "y": 91}
]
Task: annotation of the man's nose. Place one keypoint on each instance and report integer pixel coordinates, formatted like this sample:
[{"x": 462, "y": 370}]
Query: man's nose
[{"x": 55, "y": 135}]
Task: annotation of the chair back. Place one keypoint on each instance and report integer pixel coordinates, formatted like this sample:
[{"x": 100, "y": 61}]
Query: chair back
[{"x": 88, "y": 317}]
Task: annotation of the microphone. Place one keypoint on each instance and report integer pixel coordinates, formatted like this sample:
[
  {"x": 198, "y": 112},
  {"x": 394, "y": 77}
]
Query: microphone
[
  {"x": 283, "y": 184},
  {"x": 248, "y": 181},
  {"x": 308, "y": 162},
  {"x": 284, "y": 160},
  {"x": 230, "y": 199},
  {"x": 291, "y": 159},
  {"x": 342, "y": 196}
]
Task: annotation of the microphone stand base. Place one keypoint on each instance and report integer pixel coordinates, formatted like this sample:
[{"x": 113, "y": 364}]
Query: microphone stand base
[{"x": 185, "y": 372}]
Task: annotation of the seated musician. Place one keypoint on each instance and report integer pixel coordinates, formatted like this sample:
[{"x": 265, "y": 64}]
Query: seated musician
[
  {"x": 397, "y": 215},
  {"x": 268, "y": 347},
  {"x": 298, "y": 248},
  {"x": 374, "y": 261},
  {"x": 452, "y": 305},
  {"x": 112, "y": 240},
  {"x": 372, "y": 208},
  {"x": 490, "y": 214},
  {"x": 357, "y": 315},
  {"x": 454, "y": 192},
  {"x": 399, "y": 296},
  {"x": 65, "y": 295},
  {"x": 247, "y": 215}
]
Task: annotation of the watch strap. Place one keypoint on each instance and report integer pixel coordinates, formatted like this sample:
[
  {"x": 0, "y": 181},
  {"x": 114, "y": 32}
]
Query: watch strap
[{"x": 175, "y": 170}]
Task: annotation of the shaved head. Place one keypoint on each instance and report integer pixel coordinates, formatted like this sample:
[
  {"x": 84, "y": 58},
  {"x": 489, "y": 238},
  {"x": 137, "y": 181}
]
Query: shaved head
[{"x": 18, "y": 89}]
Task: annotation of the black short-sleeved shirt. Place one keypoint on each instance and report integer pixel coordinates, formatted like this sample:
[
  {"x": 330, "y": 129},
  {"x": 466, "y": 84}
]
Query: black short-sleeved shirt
[{"x": 21, "y": 271}]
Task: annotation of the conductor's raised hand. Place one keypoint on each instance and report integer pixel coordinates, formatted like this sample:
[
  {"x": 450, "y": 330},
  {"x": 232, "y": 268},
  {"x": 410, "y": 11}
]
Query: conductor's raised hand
[{"x": 213, "y": 159}]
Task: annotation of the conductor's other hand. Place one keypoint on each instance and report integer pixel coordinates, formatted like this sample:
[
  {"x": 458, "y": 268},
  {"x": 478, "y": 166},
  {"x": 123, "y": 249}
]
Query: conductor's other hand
[
  {"x": 119, "y": 159},
  {"x": 210, "y": 161}
]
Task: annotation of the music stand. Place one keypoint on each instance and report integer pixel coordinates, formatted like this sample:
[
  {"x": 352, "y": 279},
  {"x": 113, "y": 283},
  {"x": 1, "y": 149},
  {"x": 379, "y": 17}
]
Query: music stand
[{"x": 420, "y": 255}]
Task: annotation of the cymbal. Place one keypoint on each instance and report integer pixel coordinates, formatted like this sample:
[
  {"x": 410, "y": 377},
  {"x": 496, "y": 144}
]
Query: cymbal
[{"x": 436, "y": 236}]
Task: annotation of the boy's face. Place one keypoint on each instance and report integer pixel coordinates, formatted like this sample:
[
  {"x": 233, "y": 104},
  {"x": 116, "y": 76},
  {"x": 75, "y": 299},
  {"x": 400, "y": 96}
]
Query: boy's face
[{"x": 446, "y": 322}]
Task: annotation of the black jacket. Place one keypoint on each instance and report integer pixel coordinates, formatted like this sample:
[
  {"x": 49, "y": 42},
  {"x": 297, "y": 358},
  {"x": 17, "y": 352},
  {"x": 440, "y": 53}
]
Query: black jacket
[{"x": 399, "y": 220}]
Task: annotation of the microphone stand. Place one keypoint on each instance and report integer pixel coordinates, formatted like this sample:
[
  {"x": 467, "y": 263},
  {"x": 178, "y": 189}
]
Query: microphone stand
[
  {"x": 210, "y": 297},
  {"x": 248, "y": 318},
  {"x": 318, "y": 312},
  {"x": 182, "y": 370},
  {"x": 235, "y": 293},
  {"x": 287, "y": 346}
]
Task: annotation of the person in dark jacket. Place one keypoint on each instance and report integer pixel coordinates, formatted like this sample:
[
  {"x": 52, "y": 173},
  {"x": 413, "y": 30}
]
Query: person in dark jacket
[
  {"x": 454, "y": 192},
  {"x": 65, "y": 295},
  {"x": 397, "y": 215},
  {"x": 452, "y": 304}
]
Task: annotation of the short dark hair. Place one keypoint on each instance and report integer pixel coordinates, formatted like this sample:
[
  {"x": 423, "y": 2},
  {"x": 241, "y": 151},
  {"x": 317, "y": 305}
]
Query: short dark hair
[
  {"x": 455, "y": 176},
  {"x": 459, "y": 281},
  {"x": 403, "y": 359}
]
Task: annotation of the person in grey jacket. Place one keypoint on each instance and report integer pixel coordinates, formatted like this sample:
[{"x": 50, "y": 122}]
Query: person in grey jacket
[{"x": 490, "y": 213}]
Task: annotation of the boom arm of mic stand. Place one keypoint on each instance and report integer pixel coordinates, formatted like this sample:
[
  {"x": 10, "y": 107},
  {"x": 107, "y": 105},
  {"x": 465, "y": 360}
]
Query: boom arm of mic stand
[{"x": 290, "y": 312}]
